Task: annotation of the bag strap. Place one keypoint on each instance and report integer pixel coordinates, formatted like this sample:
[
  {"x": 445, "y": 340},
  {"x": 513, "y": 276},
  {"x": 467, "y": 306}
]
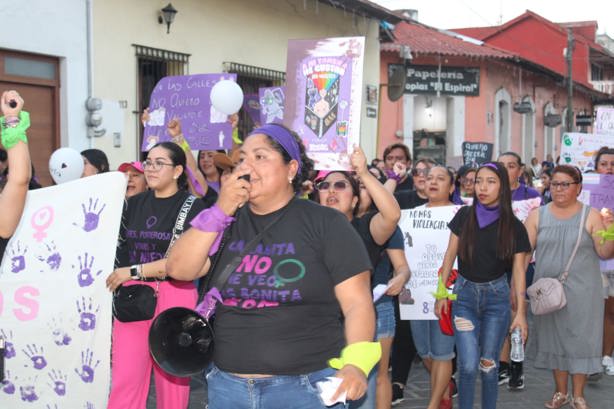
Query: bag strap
[
  {"x": 563, "y": 276},
  {"x": 220, "y": 280},
  {"x": 179, "y": 223}
]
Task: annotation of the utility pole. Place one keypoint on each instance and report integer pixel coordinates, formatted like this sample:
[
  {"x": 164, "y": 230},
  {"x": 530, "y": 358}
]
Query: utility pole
[{"x": 568, "y": 55}]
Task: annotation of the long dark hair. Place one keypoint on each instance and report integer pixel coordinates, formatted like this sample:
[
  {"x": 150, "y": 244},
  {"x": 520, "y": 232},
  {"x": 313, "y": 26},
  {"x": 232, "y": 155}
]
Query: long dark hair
[
  {"x": 97, "y": 158},
  {"x": 219, "y": 170},
  {"x": 177, "y": 156},
  {"x": 505, "y": 231}
]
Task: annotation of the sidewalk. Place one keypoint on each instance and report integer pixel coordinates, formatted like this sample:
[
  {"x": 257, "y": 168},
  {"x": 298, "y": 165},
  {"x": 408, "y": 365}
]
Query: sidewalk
[{"x": 539, "y": 386}]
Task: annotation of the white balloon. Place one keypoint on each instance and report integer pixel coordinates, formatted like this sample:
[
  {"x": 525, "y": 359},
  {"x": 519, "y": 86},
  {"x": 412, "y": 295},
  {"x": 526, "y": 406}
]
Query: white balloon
[
  {"x": 227, "y": 97},
  {"x": 65, "y": 164}
]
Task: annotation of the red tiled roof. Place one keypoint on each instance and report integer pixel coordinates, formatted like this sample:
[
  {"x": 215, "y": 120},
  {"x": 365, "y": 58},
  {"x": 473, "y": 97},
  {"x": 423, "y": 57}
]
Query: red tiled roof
[
  {"x": 423, "y": 39},
  {"x": 476, "y": 32}
]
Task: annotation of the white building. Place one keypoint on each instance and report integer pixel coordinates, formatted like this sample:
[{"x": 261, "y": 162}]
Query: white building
[
  {"x": 132, "y": 51},
  {"x": 43, "y": 55}
]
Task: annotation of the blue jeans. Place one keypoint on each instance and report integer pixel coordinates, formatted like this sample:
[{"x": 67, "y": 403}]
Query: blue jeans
[
  {"x": 481, "y": 316},
  {"x": 227, "y": 391},
  {"x": 430, "y": 341}
]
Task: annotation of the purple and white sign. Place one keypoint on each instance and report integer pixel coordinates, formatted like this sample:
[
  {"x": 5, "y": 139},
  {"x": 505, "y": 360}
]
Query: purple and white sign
[
  {"x": 272, "y": 100},
  {"x": 598, "y": 190},
  {"x": 187, "y": 97},
  {"x": 324, "y": 96}
]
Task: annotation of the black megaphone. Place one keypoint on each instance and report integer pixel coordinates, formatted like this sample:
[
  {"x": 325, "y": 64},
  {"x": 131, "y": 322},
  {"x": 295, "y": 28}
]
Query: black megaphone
[{"x": 181, "y": 342}]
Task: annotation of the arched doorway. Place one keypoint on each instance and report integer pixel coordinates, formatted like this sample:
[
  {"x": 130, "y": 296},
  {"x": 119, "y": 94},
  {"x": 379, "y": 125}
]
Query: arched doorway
[{"x": 503, "y": 121}]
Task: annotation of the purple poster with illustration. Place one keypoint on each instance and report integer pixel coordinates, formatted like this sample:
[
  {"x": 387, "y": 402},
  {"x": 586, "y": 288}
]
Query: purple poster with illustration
[
  {"x": 187, "y": 97},
  {"x": 272, "y": 101},
  {"x": 324, "y": 95}
]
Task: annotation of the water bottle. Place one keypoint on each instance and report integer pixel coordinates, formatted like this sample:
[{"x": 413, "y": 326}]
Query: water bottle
[{"x": 517, "y": 353}]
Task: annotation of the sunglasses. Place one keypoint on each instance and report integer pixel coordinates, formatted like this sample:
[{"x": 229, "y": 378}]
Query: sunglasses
[
  {"x": 337, "y": 186},
  {"x": 419, "y": 172}
]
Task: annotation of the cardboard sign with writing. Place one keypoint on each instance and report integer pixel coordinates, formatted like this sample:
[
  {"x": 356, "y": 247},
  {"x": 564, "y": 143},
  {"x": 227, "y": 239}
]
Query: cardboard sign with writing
[
  {"x": 188, "y": 97},
  {"x": 604, "y": 122},
  {"x": 324, "y": 96},
  {"x": 426, "y": 236},
  {"x": 475, "y": 153},
  {"x": 579, "y": 149}
]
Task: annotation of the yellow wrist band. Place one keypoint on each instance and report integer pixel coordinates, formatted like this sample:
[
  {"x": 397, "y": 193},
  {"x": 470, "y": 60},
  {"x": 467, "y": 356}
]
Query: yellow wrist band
[{"x": 363, "y": 355}]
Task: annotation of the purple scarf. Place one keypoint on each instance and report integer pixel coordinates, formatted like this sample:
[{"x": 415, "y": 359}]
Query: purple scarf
[{"x": 486, "y": 215}]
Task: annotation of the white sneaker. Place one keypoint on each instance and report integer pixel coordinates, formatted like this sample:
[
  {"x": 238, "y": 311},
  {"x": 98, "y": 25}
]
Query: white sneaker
[{"x": 608, "y": 364}]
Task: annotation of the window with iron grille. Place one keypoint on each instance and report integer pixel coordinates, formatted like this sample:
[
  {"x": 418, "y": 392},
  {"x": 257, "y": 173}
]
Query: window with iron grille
[
  {"x": 250, "y": 79},
  {"x": 153, "y": 64}
]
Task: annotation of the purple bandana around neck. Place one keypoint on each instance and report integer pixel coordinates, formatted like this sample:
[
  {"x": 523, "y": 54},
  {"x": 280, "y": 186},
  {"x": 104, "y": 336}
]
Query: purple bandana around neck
[
  {"x": 486, "y": 215},
  {"x": 281, "y": 135}
]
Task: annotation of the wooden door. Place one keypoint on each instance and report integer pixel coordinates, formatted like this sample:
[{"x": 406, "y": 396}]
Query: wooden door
[
  {"x": 39, "y": 88},
  {"x": 39, "y": 102}
]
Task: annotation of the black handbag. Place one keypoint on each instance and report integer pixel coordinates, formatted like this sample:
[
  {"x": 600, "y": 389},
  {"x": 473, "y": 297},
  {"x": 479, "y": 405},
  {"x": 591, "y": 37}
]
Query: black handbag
[
  {"x": 138, "y": 302},
  {"x": 134, "y": 303}
]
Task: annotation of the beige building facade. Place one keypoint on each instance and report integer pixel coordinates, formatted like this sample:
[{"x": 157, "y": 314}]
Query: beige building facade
[{"x": 132, "y": 50}]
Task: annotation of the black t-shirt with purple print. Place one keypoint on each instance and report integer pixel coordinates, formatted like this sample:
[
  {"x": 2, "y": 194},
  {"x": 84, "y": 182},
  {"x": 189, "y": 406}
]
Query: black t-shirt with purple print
[
  {"x": 147, "y": 226},
  {"x": 280, "y": 314}
]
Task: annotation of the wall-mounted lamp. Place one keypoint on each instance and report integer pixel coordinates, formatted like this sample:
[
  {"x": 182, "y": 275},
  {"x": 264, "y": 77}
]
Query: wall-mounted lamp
[{"x": 167, "y": 16}]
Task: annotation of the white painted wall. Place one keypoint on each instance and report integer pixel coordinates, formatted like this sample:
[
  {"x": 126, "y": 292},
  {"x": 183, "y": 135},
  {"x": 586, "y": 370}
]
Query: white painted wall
[
  {"x": 56, "y": 28},
  {"x": 254, "y": 32}
]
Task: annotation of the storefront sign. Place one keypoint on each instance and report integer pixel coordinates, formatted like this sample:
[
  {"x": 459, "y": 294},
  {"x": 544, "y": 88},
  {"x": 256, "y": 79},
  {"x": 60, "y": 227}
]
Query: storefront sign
[{"x": 429, "y": 79}]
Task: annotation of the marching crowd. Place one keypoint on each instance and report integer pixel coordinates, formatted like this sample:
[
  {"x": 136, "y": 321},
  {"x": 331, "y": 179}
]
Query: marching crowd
[{"x": 307, "y": 248}]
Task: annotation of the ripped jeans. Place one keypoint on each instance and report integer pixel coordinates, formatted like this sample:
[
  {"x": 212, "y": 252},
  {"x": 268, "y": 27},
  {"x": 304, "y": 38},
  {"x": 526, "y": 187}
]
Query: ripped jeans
[{"x": 481, "y": 317}]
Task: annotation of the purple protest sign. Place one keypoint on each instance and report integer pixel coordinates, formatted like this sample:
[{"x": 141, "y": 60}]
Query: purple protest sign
[
  {"x": 187, "y": 97},
  {"x": 598, "y": 191},
  {"x": 272, "y": 101},
  {"x": 324, "y": 96},
  {"x": 252, "y": 107}
]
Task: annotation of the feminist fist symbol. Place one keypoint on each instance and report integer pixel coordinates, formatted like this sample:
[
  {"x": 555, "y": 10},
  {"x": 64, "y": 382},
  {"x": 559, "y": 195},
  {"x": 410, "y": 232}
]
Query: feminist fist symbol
[
  {"x": 91, "y": 218},
  {"x": 87, "y": 371},
  {"x": 85, "y": 273}
]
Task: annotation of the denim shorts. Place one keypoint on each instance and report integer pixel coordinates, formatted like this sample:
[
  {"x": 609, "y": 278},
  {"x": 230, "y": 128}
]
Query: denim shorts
[
  {"x": 385, "y": 320},
  {"x": 430, "y": 341},
  {"x": 226, "y": 391}
]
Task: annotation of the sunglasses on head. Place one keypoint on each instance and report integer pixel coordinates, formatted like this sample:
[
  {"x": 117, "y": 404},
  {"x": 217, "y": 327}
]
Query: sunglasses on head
[{"x": 337, "y": 186}]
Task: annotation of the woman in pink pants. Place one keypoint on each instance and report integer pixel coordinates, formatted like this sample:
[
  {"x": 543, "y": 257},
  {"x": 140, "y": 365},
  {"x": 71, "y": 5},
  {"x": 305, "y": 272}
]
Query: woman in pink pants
[{"x": 145, "y": 235}]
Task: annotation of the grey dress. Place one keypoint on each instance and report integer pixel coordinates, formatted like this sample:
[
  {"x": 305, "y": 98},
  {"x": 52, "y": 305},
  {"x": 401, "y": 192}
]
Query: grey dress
[{"x": 569, "y": 339}]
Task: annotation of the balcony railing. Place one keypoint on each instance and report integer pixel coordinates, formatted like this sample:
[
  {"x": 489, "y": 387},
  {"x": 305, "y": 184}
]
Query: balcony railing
[{"x": 606, "y": 87}]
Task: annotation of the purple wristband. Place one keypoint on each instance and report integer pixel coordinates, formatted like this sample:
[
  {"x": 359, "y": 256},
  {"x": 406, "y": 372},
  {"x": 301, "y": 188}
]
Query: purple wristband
[
  {"x": 212, "y": 220},
  {"x": 391, "y": 175}
]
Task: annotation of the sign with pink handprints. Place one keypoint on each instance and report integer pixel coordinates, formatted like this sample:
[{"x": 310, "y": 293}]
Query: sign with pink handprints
[{"x": 55, "y": 312}]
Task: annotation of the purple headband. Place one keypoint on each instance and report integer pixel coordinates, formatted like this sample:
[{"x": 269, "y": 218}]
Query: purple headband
[
  {"x": 281, "y": 135},
  {"x": 490, "y": 165}
]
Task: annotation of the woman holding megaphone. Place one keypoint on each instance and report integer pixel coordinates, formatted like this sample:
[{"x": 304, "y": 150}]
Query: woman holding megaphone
[{"x": 298, "y": 295}]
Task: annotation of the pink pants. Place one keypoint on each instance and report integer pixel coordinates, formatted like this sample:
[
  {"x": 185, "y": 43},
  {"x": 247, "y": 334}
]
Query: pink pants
[{"x": 132, "y": 363}]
